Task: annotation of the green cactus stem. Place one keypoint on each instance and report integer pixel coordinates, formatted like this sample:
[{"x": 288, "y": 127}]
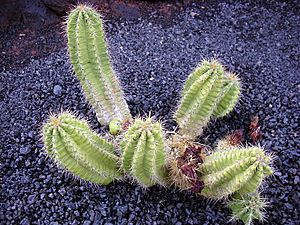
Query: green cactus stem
[
  {"x": 236, "y": 170},
  {"x": 90, "y": 59},
  {"x": 143, "y": 152},
  {"x": 208, "y": 92},
  {"x": 71, "y": 143},
  {"x": 248, "y": 208}
]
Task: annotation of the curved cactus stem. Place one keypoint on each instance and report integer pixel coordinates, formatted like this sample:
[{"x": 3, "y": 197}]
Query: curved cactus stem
[
  {"x": 72, "y": 144},
  {"x": 89, "y": 56}
]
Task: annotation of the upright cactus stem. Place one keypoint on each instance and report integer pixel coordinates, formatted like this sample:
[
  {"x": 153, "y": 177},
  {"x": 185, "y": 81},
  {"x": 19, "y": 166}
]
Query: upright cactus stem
[
  {"x": 144, "y": 152},
  {"x": 208, "y": 92},
  {"x": 236, "y": 170},
  {"x": 72, "y": 144},
  {"x": 90, "y": 59}
]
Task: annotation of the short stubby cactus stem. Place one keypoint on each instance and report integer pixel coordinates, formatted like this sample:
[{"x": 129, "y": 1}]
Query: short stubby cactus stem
[
  {"x": 248, "y": 207},
  {"x": 143, "y": 152}
]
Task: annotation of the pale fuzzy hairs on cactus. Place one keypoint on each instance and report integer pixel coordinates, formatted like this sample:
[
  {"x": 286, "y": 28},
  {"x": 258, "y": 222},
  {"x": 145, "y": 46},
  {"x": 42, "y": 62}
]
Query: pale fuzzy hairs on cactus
[
  {"x": 209, "y": 92},
  {"x": 143, "y": 152},
  {"x": 73, "y": 145},
  {"x": 91, "y": 62},
  {"x": 235, "y": 170}
]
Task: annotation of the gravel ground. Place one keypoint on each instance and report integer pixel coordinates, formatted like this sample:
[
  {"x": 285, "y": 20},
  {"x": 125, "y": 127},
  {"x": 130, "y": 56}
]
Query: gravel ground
[{"x": 259, "y": 41}]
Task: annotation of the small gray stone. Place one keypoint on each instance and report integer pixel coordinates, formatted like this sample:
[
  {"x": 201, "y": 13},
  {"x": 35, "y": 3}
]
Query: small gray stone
[
  {"x": 24, "y": 150},
  {"x": 24, "y": 221},
  {"x": 76, "y": 213},
  {"x": 54, "y": 223},
  {"x": 87, "y": 222},
  {"x": 31, "y": 198},
  {"x": 51, "y": 195},
  {"x": 57, "y": 90}
]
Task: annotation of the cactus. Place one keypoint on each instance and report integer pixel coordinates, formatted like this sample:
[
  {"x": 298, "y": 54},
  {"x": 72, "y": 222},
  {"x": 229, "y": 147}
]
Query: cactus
[
  {"x": 71, "y": 143},
  {"x": 236, "y": 170},
  {"x": 90, "y": 59},
  {"x": 208, "y": 92},
  {"x": 143, "y": 152},
  {"x": 248, "y": 208}
]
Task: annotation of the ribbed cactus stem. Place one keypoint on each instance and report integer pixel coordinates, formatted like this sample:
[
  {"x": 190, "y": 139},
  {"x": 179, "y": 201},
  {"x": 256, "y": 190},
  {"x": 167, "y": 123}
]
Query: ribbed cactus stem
[
  {"x": 236, "y": 170},
  {"x": 208, "y": 92},
  {"x": 71, "y": 143},
  {"x": 143, "y": 152},
  {"x": 248, "y": 208},
  {"x": 89, "y": 56}
]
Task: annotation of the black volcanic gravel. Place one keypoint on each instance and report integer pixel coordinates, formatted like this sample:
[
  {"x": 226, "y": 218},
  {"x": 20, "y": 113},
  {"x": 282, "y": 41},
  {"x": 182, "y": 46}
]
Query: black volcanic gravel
[{"x": 259, "y": 41}]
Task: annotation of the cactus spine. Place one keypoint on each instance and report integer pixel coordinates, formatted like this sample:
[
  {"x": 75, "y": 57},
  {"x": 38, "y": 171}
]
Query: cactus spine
[
  {"x": 236, "y": 170},
  {"x": 72, "y": 144},
  {"x": 248, "y": 208},
  {"x": 90, "y": 59},
  {"x": 208, "y": 92},
  {"x": 144, "y": 152}
]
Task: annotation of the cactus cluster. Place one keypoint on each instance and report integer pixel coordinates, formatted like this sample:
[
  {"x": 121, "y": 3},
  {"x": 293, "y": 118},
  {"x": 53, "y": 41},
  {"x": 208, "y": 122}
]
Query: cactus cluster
[{"x": 140, "y": 148}]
